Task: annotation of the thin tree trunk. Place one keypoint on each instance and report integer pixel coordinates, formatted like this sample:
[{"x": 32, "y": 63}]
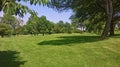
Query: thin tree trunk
[
  {"x": 2, "y": 36},
  {"x": 109, "y": 12},
  {"x": 112, "y": 28},
  {"x": 43, "y": 33}
]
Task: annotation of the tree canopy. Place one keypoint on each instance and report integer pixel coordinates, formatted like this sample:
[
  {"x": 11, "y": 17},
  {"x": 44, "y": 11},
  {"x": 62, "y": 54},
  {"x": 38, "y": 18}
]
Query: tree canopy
[
  {"x": 96, "y": 11},
  {"x": 13, "y": 7}
]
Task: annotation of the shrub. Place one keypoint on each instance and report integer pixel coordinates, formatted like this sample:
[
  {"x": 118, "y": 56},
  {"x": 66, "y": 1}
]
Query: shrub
[{"x": 5, "y": 30}]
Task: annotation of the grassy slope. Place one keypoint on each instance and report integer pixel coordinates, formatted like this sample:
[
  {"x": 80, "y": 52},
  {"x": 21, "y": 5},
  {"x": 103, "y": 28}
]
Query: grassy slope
[{"x": 60, "y": 50}]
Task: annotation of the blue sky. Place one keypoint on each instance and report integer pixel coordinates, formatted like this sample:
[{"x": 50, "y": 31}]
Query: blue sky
[
  {"x": 50, "y": 14},
  {"x": 1, "y": 13}
]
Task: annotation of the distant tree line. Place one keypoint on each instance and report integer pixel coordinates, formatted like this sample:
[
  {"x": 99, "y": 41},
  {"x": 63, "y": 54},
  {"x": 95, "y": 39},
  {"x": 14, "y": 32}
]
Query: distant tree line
[
  {"x": 11, "y": 25},
  {"x": 40, "y": 25}
]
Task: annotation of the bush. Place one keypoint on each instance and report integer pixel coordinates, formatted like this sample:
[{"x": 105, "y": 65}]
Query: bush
[{"x": 5, "y": 30}]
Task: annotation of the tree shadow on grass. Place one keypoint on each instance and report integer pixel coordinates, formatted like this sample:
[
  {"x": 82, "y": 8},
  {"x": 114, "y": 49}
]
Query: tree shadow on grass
[
  {"x": 10, "y": 59},
  {"x": 71, "y": 40}
]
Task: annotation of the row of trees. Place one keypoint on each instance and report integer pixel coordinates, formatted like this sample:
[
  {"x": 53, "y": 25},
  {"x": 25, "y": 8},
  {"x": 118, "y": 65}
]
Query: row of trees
[
  {"x": 11, "y": 25},
  {"x": 40, "y": 25}
]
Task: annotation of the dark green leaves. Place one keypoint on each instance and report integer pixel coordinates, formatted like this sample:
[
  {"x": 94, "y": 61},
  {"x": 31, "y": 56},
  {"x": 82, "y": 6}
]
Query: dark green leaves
[{"x": 13, "y": 7}]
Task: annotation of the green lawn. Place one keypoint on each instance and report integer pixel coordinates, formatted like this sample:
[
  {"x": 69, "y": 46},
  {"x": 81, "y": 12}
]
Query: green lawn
[{"x": 60, "y": 50}]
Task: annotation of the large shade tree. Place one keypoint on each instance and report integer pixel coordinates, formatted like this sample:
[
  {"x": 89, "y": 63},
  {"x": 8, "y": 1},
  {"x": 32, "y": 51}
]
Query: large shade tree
[{"x": 96, "y": 11}]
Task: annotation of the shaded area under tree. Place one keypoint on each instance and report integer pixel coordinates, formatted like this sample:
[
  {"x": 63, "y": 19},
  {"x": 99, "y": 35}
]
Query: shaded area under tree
[
  {"x": 66, "y": 40},
  {"x": 10, "y": 59}
]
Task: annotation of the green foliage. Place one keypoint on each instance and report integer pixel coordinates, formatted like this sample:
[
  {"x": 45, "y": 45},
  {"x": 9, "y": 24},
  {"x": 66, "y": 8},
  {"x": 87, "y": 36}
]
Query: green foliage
[
  {"x": 59, "y": 27},
  {"x": 39, "y": 25},
  {"x": 12, "y": 21},
  {"x": 62, "y": 27},
  {"x": 68, "y": 28},
  {"x": 50, "y": 26},
  {"x": 13, "y": 7},
  {"x": 31, "y": 25},
  {"x": 56, "y": 28},
  {"x": 5, "y": 30},
  {"x": 93, "y": 10},
  {"x": 23, "y": 30},
  {"x": 43, "y": 24}
]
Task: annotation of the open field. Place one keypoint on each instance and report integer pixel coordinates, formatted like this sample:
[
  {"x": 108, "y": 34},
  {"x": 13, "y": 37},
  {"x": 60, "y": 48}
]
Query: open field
[{"x": 60, "y": 50}]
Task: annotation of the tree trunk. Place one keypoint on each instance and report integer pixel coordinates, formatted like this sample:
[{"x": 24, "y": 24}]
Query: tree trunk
[
  {"x": 43, "y": 33},
  {"x": 112, "y": 28},
  {"x": 2, "y": 36},
  {"x": 109, "y": 12}
]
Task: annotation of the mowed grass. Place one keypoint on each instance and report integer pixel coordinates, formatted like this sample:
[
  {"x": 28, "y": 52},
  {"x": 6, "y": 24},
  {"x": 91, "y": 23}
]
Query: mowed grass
[{"x": 60, "y": 50}]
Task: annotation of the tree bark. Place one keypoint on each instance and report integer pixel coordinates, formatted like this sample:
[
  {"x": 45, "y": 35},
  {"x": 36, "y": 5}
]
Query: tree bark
[
  {"x": 109, "y": 12},
  {"x": 2, "y": 36},
  {"x": 112, "y": 28},
  {"x": 43, "y": 33}
]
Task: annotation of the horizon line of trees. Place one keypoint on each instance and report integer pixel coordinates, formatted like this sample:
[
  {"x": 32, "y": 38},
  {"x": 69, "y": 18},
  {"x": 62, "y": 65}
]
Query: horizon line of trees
[
  {"x": 40, "y": 25},
  {"x": 11, "y": 25}
]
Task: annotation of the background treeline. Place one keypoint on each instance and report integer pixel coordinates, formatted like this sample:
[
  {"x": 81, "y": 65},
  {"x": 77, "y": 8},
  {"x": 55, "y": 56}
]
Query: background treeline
[
  {"x": 12, "y": 25},
  {"x": 40, "y": 25}
]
